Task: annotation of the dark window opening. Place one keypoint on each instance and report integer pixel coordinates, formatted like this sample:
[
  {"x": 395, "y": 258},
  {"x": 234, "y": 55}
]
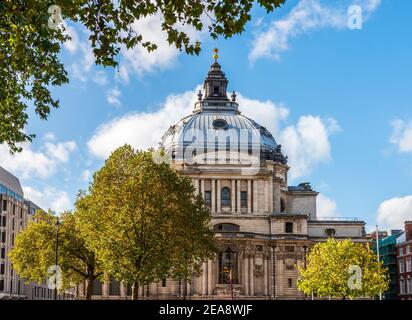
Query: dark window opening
[
  {"x": 243, "y": 198},
  {"x": 208, "y": 198},
  {"x": 164, "y": 282},
  {"x": 289, "y": 248},
  {"x": 226, "y": 227},
  {"x": 290, "y": 284},
  {"x": 97, "y": 288},
  {"x": 216, "y": 89},
  {"x": 330, "y": 232},
  {"x": 114, "y": 288},
  {"x": 4, "y": 205},
  {"x": 282, "y": 205},
  {"x": 289, "y": 227},
  {"x": 228, "y": 267},
  {"x": 225, "y": 196}
]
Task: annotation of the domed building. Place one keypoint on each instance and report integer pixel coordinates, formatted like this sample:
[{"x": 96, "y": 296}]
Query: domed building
[{"x": 264, "y": 227}]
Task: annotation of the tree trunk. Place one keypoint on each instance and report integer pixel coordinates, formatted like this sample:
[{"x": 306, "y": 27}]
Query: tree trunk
[
  {"x": 135, "y": 293},
  {"x": 89, "y": 288}
]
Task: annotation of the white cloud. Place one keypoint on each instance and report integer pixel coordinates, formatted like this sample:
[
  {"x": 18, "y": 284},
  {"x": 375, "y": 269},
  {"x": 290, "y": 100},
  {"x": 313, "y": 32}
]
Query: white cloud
[
  {"x": 48, "y": 198},
  {"x": 113, "y": 97},
  {"x": 85, "y": 176},
  {"x": 73, "y": 44},
  {"x": 165, "y": 56},
  {"x": 306, "y": 143},
  {"x": 50, "y": 136},
  {"x": 40, "y": 163},
  {"x": 60, "y": 151},
  {"x": 141, "y": 129},
  {"x": 393, "y": 212},
  {"x": 100, "y": 78},
  {"x": 326, "y": 207},
  {"x": 307, "y": 15},
  {"x": 402, "y": 135},
  {"x": 266, "y": 113}
]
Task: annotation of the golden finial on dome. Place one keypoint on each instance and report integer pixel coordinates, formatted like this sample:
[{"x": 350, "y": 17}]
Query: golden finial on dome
[{"x": 215, "y": 56}]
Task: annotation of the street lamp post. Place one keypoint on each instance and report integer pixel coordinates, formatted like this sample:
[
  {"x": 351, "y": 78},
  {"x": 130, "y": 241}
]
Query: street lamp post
[{"x": 56, "y": 257}]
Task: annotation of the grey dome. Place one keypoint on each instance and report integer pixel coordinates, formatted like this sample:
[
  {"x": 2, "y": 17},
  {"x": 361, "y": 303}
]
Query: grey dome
[{"x": 217, "y": 125}]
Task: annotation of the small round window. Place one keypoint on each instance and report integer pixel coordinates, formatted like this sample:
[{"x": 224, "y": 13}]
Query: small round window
[{"x": 219, "y": 124}]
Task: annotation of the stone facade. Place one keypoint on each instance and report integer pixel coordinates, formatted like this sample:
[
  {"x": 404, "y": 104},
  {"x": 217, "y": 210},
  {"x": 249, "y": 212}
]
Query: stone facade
[{"x": 264, "y": 227}]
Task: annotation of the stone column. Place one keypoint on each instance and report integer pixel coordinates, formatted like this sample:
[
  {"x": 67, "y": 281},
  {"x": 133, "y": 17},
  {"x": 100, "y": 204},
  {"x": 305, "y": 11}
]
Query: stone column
[
  {"x": 255, "y": 196},
  {"x": 204, "y": 279},
  {"x": 246, "y": 273},
  {"x": 219, "y": 210},
  {"x": 239, "y": 207},
  {"x": 210, "y": 277},
  {"x": 266, "y": 184},
  {"x": 233, "y": 195},
  {"x": 249, "y": 196},
  {"x": 271, "y": 194},
  {"x": 265, "y": 274},
  {"x": 213, "y": 196},
  {"x": 197, "y": 186},
  {"x": 189, "y": 287},
  {"x": 271, "y": 273},
  {"x": 202, "y": 187},
  {"x": 252, "y": 276}
]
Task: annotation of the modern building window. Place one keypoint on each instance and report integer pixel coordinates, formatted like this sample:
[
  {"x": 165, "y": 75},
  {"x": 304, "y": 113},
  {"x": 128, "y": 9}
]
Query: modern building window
[
  {"x": 289, "y": 227},
  {"x": 408, "y": 265},
  {"x": 228, "y": 267},
  {"x": 401, "y": 266},
  {"x": 225, "y": 196},
  {"x": 402, "y": 286},
  {"x": 243, "y": 199},
  {"x": 208, "y": 198},
  {"x": 282, "y": 205},
  {"x": 290, "y": 283}
]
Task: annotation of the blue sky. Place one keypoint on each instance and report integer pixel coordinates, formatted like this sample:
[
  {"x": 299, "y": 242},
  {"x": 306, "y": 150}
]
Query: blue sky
[{"x": 339, "y": 101}]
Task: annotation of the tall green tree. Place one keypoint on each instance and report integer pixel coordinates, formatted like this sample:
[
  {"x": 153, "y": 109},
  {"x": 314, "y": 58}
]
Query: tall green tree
[
  {"x": 30, "y": 42},
  {"x": 342, "y": 269},
  {"x": 35, "y": 251},
  {"x": 144, "y": 220}
]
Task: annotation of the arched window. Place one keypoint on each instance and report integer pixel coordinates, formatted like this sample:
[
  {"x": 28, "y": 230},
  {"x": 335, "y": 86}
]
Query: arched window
[
  {"x": 228, "y": 267},
  {"x": 225, "y": 196},
  {"x": 226, "y": 227}
]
